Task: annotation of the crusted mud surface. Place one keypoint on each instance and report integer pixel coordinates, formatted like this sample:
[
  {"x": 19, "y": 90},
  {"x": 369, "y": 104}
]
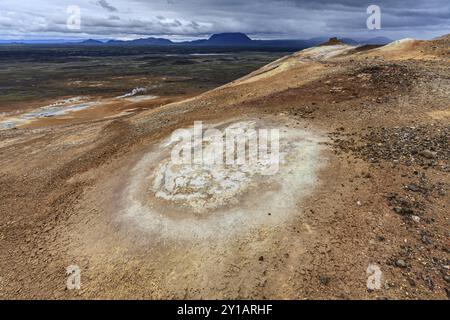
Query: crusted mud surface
[{"x": 366, "y": 181}]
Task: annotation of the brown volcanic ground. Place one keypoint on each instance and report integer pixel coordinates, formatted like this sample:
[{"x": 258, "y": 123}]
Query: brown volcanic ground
[{"x": 367, "y": 182}]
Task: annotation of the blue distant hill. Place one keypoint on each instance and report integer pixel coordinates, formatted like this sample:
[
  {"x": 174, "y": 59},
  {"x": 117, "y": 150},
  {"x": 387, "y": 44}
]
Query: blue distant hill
[
  {"x": 216, "y": 40},
  {"x": 142, "y": 42},
  {"x": 91, "y": 42}
]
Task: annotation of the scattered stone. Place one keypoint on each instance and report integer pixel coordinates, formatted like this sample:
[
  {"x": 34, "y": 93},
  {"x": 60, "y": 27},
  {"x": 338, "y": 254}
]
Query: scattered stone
[
  {"x": 426, "y": 146},
  {"x": 429, "y": 283},
  {"x": 403, "y": 211},
  {"x": 261, "y": 258},
  {"x": 447, "y": 278},
  {"x": 403, "y": 206},
  {"x": 324, "y": 280},
  {"x": 415, "y": 219},
  {"x": 401, "y": 263},
  {"x": 428, "y": 154},
  {"x": 413, "y": 188},
  {"x": 426, "y": 240},
  {"x": 411, "y": 282}
]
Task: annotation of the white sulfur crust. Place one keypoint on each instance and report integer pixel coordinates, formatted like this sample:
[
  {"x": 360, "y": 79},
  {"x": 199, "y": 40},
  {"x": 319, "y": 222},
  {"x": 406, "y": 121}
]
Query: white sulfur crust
[{"x": 200, "y": 201}]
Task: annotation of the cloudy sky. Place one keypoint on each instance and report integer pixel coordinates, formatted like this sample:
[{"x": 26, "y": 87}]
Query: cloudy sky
[{"x": 191, "y": 19}]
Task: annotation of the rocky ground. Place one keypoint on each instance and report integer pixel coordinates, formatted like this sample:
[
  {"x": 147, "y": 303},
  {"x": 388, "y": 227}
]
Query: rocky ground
[{"x": 380, "y": 194}]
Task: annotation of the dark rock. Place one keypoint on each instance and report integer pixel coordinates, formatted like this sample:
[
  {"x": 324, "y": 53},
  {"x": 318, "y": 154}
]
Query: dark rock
[
  {"x": 403, "y": 210},
  {"x": 418, "y": 145},
  {"x": 428, "y": 154},
  {"x": 324, "y": 280},
  {"x": 413, "y": 188},
  {"x": 401, "y": 263},
  {"x": 429, "y": 283},
  {"x": 426, "y": 240}
]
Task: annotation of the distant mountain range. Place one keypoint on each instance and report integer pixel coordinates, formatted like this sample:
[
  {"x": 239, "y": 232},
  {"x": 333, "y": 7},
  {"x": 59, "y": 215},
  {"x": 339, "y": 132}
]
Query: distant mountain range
[{"x": 221, "y": 40}]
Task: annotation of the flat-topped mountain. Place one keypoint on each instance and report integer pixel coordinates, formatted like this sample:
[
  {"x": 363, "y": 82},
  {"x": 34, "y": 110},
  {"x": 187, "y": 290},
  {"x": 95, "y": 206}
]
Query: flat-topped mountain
[{"x": 230, "y": 39}]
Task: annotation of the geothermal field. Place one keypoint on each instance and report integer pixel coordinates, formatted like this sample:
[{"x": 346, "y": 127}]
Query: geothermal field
[{"x": 356, "y": 175}]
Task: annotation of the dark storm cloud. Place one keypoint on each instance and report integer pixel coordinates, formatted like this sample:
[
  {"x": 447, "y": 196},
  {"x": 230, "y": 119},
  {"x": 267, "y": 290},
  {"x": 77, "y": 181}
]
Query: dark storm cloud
[
  {"x": 199, "y": 18},
  {"x": 105, "y": 5},
  {"x": 292, "y": 17}
]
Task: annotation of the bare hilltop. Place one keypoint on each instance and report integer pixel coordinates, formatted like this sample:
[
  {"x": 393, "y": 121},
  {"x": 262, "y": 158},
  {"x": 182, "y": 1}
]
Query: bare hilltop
[{"x": 365, "y": 184}]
